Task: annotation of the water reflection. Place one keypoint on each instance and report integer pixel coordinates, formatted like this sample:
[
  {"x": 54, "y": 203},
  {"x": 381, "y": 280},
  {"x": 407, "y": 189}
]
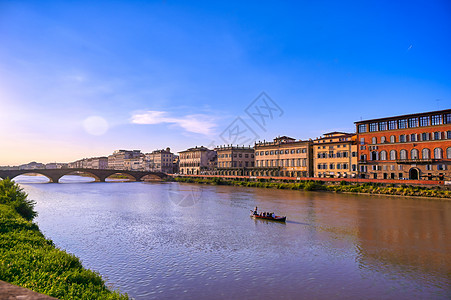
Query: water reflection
[{"x": 332, "y": 246}]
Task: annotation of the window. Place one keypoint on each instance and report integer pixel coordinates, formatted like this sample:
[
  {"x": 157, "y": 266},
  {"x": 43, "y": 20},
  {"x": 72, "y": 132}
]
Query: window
[
  {"x": 392, "y": 139},
  {"x": 436, "y": 120},
  {"x": 276, "y": 152},
  {"x": 261, "y": 152},
  {"x": 448, "y": 153},
  {"x": 266, "y": 153},
  {"x": 413, "y": 122},
  {"x": 402, "y": 138},
  {"x": 373, "y": 127},
  {"x": 424, "y": 121},
  {"x": 425, "y": 153},
  {"x": 319, "y": 166},
  {"x": 292, "y": 151},
  {"x": 382, "y": 139},
  {"x": 425, "y": 136},
  {"x": 272, "y": 152},
  {"x": 391, "y": 125},
  {"x": 440, "y": 167},
  {"x": 362, "y": 128},
  {"x": 298, "y": 150},
  {"x": 448, "y": 134},
  {"x": 354, "y": 153},
  {"x": 362, "y": 141},
  {"x": 374, "y": 140},
  {"x": 402, "y": 124},
  {"x": 438, "y": 153},
  {"x": 429, "y": 167},
  {"x": 403, "y": 154},
  {"x": 331, "y": 166},
  {"x": 286, "y": 151},
  {"x": 437, "y": 135},
  {"x": 447, "y": 119},
  {"x": 383, "y": 155},
  {"x": 414, "y": 154},
  {"x": 304, "y": 150},
  {"x": 382, "y": 125},
  {"x": 413, "y": 137},
  {"x": 338, "y": 166},
  {"x": 393, "y": 155}
]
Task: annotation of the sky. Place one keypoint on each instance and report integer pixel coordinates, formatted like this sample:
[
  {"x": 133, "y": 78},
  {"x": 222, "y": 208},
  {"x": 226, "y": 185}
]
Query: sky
[{"x": 84, "y": 78}]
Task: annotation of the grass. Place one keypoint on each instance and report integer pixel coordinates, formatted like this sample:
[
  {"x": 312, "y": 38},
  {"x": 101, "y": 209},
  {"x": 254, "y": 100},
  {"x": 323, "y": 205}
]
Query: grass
[
  {"x": 314, "y": 185},
  {"x": 30, "y": 260}
]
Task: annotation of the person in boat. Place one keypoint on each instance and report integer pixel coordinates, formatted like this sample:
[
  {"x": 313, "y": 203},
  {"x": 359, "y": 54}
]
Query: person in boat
[
  {"x": 255, "y": 211},
  {"x": 273, "y": 215}
]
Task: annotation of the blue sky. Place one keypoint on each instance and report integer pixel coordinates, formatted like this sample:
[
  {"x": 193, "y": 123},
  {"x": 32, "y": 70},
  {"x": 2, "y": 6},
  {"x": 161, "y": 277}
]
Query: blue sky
[{"x": 81, "y": 79}]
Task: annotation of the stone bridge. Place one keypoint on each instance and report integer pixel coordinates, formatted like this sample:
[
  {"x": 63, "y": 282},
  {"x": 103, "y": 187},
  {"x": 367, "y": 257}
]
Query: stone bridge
[{"x": 99, "y": 174}]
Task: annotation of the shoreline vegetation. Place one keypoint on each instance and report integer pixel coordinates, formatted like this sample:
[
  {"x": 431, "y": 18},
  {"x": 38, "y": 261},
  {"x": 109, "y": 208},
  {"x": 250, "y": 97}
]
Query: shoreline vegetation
[
  {"x": 340, "y": 187},
  {"x": 29, "y": 260}
]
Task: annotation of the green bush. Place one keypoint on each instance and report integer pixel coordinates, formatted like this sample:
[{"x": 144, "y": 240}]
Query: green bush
[{"x": 13, "y": 195}]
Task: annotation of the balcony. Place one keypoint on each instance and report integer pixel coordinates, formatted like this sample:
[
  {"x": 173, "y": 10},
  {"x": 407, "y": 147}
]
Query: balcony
[
  {"x": 416, "y": 161},
  {"x": 362, "y": 161}
]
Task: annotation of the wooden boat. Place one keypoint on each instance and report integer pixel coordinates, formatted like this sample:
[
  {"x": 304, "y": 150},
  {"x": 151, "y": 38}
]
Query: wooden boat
[{"x": 276, "y": 218}]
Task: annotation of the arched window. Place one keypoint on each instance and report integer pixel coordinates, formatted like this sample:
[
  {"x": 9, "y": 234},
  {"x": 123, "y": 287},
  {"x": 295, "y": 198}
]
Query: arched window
[
  {"x": 414, "y": 154},
  {"x": 393, "y": 155},
  {"x": 438, "y": 153},
  {"x": 374, "y": 140},
  {"x": 374, "y": 155},
  {"x": 413, "y": 137},
  {"x": 448, "y": 134},
  {"x": 402, "y": 138},
  {"x": 383, "y": 155},
  {"x": 426, "y": 153},
  {"x": 425, "y": 136},
  {"x": 448, "y": 153},
  {"x": 437, "y": 135},
  {"x": 392, "y": 139},
  {"x": 382, "y": 139},
  {"x": 403, "y": 154}
]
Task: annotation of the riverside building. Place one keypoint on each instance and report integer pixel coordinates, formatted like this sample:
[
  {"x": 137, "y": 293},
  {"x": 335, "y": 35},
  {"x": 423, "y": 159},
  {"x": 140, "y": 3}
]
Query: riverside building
[
  {"x": 234, "y": 160},
  {"x": 284, "y": 156},
  {"x": 335, "y": 155},
  {"x": 125, "y": 160},
  {"x": 197, "y": 161},
  {"x": 415, "y": 146},
  {"x": 159, "y": 161}
]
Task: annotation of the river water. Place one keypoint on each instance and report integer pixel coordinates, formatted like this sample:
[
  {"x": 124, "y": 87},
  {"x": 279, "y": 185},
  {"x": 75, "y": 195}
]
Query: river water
[{"x": 186, "y": 241}]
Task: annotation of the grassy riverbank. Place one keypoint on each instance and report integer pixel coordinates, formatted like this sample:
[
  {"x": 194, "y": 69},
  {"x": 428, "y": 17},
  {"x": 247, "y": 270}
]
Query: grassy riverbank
[
  {"x": 342, "y": 187},
  {"x": 30, "y": 260}
]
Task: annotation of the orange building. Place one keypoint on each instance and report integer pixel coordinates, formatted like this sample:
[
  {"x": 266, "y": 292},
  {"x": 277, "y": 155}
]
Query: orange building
[{"x": 415, "y": 146}]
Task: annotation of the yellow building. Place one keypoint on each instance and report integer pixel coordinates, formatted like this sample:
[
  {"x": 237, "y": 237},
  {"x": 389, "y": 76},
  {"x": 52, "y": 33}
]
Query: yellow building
[
  {"x": 284, "y": 156},
  {"x": 335, "y": 155}
]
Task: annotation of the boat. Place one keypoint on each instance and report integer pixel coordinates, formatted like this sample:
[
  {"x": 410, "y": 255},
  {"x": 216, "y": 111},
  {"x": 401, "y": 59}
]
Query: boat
[{"x": 270, "y": 218}]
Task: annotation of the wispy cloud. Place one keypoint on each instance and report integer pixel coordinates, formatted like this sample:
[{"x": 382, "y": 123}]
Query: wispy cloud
[{"x": 197, "y": 123}]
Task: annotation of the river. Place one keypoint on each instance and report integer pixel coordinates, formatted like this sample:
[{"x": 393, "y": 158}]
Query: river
[{"x": 185, "y": 241}]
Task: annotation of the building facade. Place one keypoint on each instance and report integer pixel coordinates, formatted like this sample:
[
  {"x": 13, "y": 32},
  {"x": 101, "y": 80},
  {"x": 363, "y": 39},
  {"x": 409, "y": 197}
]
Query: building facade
[
  {"x": 234, "y": 160},
  {"x": 159, "y": 161},
  {"x": 125, "y": 160},
  {"x": 90, "y": 163},
  {"x": 284, "y": 156},
  {"x": 197, "y": 161},
  {"x": 415, "y": 146},
  {"x": 335, "y": 155}
]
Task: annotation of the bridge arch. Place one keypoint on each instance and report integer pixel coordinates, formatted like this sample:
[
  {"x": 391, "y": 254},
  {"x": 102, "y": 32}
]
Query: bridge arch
[
  {"x": 121, "y": 175},
  {"x": 32, "y": 172},
  {"x": 81, "y": 173}
]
